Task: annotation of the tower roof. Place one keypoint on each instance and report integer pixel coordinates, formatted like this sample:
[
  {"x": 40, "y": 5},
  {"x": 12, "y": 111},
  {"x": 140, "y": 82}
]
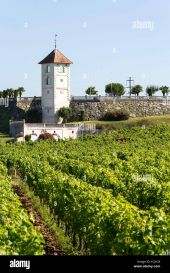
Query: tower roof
[{"x": 55, "y": 57}]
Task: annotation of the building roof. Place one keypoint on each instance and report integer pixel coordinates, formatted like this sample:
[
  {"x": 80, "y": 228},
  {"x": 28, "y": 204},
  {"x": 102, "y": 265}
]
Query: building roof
[{"x": 55, "y": 57}]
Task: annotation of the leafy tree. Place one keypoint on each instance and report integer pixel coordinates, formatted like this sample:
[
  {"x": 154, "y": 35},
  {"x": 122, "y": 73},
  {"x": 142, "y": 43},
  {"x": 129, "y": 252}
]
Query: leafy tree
[
  {"x": 33, "y": 115},
  {"x": 151, "y": 90},
  {"x": 10, "y": 92},
  {"x": 137, "y": 89},
  {"x": 65, "y": 113},
  {"x": 91, "y": 91},
  {"x": 5, "y": 94},
  {"x": 165, "y": 90},
  {"x": 16, "y": 93},
  {"x": 115, "y": 89},
  {"x": 21, "y": 90}
]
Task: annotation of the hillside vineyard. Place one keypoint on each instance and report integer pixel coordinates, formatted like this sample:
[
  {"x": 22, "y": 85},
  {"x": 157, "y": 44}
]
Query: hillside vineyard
[{"x": 111, "y": 190}]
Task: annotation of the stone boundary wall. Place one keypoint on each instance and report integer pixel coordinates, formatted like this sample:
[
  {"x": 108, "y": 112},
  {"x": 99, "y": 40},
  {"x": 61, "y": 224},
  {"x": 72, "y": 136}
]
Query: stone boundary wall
[
  {"x": 94, "y": 110},
  {"x": 29, "y": 103},
  {"x": 136, "y": 108}
]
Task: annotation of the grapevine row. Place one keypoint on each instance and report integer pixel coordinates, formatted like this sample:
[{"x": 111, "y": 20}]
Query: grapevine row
[
  {"x": 18, "y": 236},
  {"x": 107, "y": 224}
]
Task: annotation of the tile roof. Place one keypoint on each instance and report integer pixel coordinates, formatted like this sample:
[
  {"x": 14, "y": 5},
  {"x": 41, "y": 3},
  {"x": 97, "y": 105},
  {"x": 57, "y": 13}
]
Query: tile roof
[{"x": 55, "y": 57}]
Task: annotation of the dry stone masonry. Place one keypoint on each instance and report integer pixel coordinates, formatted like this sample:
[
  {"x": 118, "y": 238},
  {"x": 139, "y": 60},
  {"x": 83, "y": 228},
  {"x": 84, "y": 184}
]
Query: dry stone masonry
[{"x": 137, "y": 108}]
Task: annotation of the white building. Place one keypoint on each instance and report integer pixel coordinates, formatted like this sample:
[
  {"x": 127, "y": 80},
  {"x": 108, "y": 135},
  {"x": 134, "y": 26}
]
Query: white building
[
  {"x": 59, "y": 131},
  {"x": 55, "y": 73}
]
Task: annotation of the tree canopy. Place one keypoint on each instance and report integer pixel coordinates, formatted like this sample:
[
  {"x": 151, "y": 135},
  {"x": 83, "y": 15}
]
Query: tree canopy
[
  {"x": 137, "y": 89},
  {"x": 151, "y": 90},
  {"x": 65, "y": 113},
  {"x": 115, "y": 89},
  {"x": 12, "y": 93},
  {"x": 91, "y": 91},
  {"x": 165, "y": 90}
]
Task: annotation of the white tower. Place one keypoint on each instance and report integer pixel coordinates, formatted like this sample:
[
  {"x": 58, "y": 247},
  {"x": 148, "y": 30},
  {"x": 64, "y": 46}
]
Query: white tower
[{"x": 55, "y": 73}]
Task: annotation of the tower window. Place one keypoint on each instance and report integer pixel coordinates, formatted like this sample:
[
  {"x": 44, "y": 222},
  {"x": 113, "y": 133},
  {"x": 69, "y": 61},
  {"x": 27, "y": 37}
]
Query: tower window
[
  {"x": 48, "y": 81},
  {"x": 61, "y": 69},
  {"x": 61, "y": 80},
  {"x": 48, "y": 92},
  {"x": 48, "y": 69}
]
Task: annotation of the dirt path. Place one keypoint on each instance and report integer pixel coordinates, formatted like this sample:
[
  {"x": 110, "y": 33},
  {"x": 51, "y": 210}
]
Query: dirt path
[{"x": 51, "y": 245}]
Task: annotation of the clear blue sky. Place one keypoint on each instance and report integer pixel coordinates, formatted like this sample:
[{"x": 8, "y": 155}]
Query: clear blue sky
[{"x": 97, "y": 35}]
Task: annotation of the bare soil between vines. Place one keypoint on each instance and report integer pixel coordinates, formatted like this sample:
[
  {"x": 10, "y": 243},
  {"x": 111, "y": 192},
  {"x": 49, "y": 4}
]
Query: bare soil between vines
[{"x": 52, "y": 246}]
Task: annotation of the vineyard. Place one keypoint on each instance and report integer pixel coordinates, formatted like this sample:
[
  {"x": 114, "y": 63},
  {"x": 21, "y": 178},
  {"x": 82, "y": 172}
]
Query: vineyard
[
  {"x": 17, "y": 234},
  {"x": 111, "y": 191}
]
